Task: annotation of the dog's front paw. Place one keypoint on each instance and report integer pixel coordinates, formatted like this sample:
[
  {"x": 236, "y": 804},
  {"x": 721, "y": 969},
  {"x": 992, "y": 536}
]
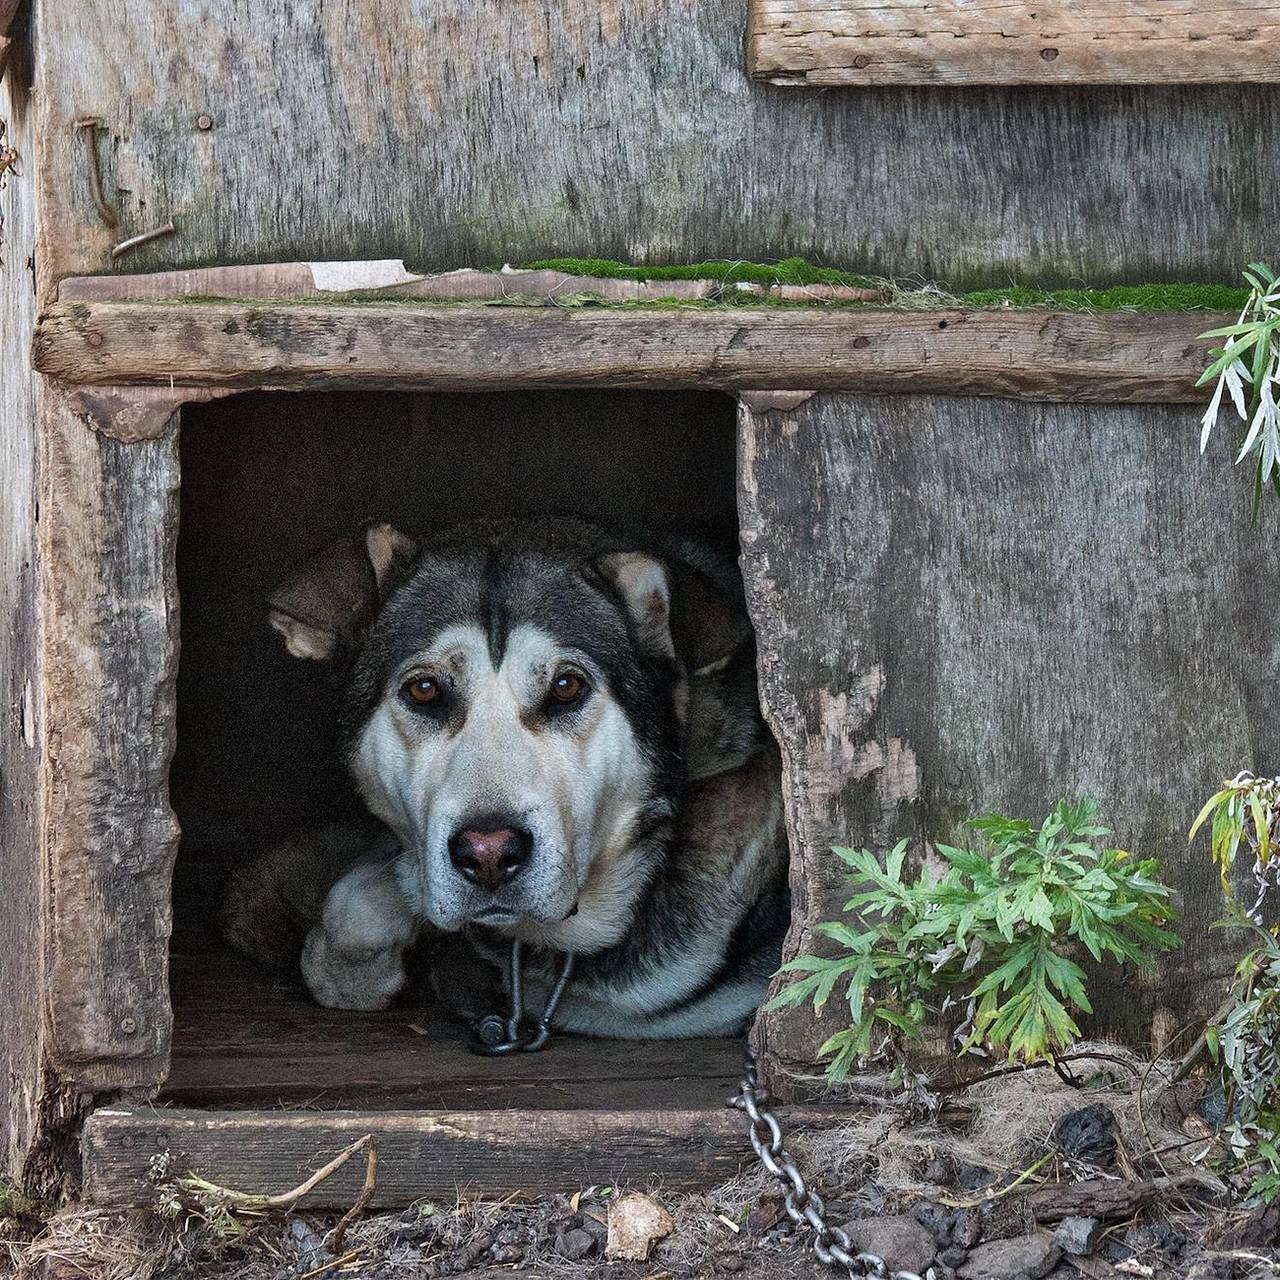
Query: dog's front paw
[{"x": 354, "y": 958}]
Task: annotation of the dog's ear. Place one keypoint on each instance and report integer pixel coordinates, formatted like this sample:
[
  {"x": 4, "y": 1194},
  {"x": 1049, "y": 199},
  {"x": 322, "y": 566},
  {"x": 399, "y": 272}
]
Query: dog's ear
[
  {"x": 642, "y": 582},
  {"x": 326, "y": 602},
  {"x": 707, "y": 628}
]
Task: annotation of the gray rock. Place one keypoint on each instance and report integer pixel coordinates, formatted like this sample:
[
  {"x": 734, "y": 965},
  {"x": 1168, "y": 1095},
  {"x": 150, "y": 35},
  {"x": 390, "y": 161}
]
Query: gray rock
[
  {"x": 1028, "y": 1257},
  {"x": 1078, "y": 1236},
  {"x": 972, "y": 1177},
  {"x": 901, "y": 1241},
  {"x": 575, "y": 1245}
]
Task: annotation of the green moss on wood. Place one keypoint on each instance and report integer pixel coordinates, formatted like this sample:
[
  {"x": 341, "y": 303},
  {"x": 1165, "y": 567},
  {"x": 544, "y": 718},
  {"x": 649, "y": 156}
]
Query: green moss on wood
[
  {"x": 788, "y": 271},
  {"x": 1128, "y": 297},
  {"x": 1135, "y": 297}
]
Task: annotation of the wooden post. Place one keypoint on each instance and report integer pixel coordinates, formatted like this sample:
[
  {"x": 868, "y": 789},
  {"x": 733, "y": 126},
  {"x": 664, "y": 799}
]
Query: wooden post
[
  {"x": 21, "y": 732},
  {"x": 109, "y": 532}
]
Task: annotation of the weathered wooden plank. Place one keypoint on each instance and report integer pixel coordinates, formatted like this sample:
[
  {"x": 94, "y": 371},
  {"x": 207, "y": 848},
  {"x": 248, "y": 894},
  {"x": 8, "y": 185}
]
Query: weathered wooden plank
[
  {"x": 293, "y": 281},
  {"x": 108, "y": 530},
  {"x": 965, "y": 605},
  {"x": 21, "y": 733},
  {"x": 421, "y": 1155},
  {"x": 244, "y": 1038},
  {"x": 617, "y": 128},
  {"x": 1108, "y": 356},
  {"x": 990, "y": 42}
]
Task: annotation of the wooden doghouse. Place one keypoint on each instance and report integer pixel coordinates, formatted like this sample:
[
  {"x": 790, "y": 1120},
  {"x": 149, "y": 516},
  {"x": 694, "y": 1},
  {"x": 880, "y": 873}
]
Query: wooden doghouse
[{"x": 985, "y": 563}]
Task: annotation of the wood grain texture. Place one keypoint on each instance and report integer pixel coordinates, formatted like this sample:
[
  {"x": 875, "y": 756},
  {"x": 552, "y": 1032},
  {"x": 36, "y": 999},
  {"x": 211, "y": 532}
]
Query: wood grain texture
[
  {"x": 449, "y": 134},
  {"x": 422, "y": 1155},
  {"x": 965, "y": 605},
  {"x": 1107, "y": 356},
  {"x": 246, "y": 1038},
  {"x": 109, "y": 526},
  {"x": 990, "y": 42},
  {"x": 20, "y": 728}
]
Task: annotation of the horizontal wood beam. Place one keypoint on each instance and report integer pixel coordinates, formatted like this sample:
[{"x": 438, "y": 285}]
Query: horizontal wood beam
[
  {"x": 421, "y": 1154},
  {"x": 984, "y": 42},
  {"x": 1138, "y": 357}
]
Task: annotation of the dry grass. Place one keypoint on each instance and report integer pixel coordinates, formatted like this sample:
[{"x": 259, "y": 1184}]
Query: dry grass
[{"x": 875, "y": 1163}]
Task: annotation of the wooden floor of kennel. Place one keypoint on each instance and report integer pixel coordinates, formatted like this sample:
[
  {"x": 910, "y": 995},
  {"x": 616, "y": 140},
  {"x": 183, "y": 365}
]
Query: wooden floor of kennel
[{"x": 233, "y": 1097}]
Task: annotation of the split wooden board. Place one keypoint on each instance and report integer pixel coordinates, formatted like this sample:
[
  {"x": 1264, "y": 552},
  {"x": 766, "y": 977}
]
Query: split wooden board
[{"x": 993, "y": 42}]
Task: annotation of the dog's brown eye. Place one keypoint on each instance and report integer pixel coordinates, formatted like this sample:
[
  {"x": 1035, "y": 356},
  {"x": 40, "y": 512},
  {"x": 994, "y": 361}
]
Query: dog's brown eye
[
  {"x": 568, "y": 687},
  {"x": 422, "y": 690}
]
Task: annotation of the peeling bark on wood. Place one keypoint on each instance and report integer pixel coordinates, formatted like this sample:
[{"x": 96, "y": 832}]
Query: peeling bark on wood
[
  {"x": 421, "y": 1154},
  {"x": 964, "y": 605},
  {"x": 1096, "y": 1198},
  {"x": 990, "y": 42},
  {"x": 1037, "y": 355},
  {"x": 109, "y": 627},
  {"x": 290, "y": 281},
  {"x": 130, "y": 414}
]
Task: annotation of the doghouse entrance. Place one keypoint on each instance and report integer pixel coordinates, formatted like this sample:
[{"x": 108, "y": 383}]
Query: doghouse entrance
[{"x": 267, "y": 478}]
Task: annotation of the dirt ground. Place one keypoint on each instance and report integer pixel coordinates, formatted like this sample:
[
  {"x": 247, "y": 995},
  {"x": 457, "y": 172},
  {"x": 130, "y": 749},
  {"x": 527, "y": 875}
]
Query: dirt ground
[{"x": 972, "y": 1193}]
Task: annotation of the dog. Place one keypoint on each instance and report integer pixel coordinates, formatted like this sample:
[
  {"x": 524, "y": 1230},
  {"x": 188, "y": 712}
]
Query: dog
[{"x": 556, "y": 732}]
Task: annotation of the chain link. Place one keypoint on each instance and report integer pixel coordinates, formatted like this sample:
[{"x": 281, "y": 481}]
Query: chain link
[{"x": 831, "y": 1245}]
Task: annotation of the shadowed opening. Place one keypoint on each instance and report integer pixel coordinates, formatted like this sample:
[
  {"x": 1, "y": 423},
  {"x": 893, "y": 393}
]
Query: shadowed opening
[{"x": 266, "y": 479}]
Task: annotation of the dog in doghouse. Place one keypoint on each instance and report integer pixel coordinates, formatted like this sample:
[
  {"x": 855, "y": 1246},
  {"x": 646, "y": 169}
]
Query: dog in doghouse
[{"x": 573, "y": 803}]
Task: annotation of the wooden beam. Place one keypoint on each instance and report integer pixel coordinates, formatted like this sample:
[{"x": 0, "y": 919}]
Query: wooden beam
[
  {"x": 1032, "y": 355},
  {"x": 421, "y": 1154},
  {"x": 988, "y": 42}
]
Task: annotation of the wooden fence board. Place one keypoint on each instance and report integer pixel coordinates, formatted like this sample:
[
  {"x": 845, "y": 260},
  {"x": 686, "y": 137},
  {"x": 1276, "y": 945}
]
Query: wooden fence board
[
  {"x": 449, "y": 134},
  {"x": 990, "y": 42},
  {"x": 965, "y": 605}
]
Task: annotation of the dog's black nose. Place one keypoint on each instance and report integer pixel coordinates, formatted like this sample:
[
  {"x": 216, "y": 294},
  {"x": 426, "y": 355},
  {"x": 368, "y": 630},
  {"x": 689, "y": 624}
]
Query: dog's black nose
[{"x": 490, "y": 858}]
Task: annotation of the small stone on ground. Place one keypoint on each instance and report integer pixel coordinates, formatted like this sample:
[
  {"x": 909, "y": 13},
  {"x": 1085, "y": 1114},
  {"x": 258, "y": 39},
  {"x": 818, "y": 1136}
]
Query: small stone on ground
[
  {"x": 901, "y": 1242},
  {"x": 636, "y": 1223},
  {"x": 1078, "y": 1236},
  {"x": 1023, "y": 1256}
]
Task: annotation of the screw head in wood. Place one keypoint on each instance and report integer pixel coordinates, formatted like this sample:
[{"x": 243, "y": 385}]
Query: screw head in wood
[
  {"x": 128, "y": 1025},
  {"x": 93, "y": 339},
  {"x": 1048, "y": 54},
  {"x": 204, "y": 123},
  {"x": 861, "y": 61}
]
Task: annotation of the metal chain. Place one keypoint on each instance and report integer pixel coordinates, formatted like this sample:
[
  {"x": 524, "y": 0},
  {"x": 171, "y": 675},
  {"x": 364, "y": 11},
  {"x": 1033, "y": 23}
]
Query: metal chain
[
  {"x": 497, "y": 1035},
  {"x": 830, "y": 1244}
]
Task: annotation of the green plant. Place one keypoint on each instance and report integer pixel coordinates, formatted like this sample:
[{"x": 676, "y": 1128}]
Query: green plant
[
  {"x": 1245, "y": 815},
  {"x": 997, "y": 933},
  {"x": 1243, "y": 1038},
  {"x": 1245, "y": 1046},
  {"x": 1247, "y": 369}
]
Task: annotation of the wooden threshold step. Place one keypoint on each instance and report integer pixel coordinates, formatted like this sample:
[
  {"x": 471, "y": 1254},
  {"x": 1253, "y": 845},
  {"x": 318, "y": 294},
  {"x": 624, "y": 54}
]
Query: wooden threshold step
[{"x": 421, "y": 1154}]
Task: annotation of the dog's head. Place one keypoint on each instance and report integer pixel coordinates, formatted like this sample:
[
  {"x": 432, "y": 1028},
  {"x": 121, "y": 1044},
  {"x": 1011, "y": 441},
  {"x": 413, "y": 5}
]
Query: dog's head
[{"x": 515, "y": 711}]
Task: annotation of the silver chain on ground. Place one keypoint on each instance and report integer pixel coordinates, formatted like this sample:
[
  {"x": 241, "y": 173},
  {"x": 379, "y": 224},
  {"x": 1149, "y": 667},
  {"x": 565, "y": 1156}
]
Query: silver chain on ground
[{"x": 831, "y": 1245}]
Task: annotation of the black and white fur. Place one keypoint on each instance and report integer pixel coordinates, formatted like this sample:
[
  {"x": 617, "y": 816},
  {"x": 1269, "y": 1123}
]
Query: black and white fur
[{"x": 650, "y": 806}]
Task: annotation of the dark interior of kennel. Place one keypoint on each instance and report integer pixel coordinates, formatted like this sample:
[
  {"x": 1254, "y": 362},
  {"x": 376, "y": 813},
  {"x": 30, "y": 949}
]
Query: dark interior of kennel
[{"x": 266, "y": 478}]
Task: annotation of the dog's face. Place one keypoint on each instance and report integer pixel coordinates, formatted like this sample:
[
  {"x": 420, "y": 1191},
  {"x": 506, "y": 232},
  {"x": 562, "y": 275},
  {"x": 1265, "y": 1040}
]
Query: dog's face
[{"x": 513, "y": 715}]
